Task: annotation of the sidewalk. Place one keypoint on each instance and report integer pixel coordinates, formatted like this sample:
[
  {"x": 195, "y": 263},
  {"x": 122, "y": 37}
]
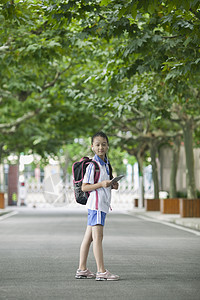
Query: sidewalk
[
  {"x": 193, "y": 223},
  {"x": 40, "y": 252}
]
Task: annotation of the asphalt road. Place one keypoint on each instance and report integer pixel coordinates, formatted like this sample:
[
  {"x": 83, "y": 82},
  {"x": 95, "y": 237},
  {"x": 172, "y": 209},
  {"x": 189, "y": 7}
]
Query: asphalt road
[{"x": 39, "y": 252}]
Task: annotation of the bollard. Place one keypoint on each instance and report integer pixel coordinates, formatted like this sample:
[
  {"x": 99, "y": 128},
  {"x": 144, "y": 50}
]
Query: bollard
[{"x": 2, "y": 201}]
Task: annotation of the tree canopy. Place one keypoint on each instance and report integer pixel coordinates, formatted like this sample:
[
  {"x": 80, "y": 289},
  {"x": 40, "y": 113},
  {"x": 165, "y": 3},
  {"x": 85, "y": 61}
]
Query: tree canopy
[{"x": 70, "y": 68}]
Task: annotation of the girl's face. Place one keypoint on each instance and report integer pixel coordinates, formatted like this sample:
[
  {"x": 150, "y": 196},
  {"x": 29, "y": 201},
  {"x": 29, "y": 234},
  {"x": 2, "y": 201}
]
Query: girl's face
[{"x": 100, "y": 146}]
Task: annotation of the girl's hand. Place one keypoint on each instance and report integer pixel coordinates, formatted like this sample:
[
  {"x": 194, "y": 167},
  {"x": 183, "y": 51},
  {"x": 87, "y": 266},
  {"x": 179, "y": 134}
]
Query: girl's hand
[
  {"x": 105, "y": 183},
  {"x": 115, "y": 185}
]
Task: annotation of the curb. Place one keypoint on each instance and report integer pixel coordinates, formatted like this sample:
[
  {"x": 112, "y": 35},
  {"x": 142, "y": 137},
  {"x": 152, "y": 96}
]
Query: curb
[
  {"x": 8, "y": 214},
  {"x": 188, "y": 224}
]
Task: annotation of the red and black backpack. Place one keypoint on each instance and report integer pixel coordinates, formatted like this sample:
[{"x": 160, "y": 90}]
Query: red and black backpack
[{"x": 78, "y": 171}]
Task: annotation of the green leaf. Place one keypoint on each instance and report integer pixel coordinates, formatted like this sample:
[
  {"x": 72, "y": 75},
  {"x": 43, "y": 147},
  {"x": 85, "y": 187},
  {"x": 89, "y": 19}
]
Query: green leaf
[
  {"x": 105, "y": 2},
  {"x": 187, "y": 41}
]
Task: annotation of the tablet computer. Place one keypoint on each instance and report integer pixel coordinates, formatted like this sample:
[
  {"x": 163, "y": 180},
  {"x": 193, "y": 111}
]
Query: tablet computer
[{"x": 115, "y": 179}]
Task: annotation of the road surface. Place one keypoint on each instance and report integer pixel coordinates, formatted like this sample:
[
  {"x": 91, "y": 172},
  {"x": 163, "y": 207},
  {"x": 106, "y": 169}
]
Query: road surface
[{"x": 39, "y": 251}]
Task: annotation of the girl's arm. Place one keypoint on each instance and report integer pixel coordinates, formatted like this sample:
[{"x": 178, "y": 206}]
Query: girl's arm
[{"x": 87, "y": 187}]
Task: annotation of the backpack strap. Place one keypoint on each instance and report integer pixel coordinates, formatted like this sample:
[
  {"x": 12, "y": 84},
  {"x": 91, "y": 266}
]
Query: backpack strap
[
  {"x": 84, "y": 158},
  {"x": 96, "y": 179},
  {"x": 96, "y": 173},
  {"x": 110, "y": 170}
]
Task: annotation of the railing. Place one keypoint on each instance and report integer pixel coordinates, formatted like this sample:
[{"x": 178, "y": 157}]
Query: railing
[{"x": 49, "y": 194}]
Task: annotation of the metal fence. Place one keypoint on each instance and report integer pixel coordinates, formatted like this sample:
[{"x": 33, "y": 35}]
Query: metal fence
[{"x": 53, "y": 193}]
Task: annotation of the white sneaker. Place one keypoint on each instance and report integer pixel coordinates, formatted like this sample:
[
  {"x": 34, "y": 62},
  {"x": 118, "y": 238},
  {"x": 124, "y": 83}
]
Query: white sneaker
[
  {"x": 106, "y": 276},
  {"x": 84, "y": 274}
]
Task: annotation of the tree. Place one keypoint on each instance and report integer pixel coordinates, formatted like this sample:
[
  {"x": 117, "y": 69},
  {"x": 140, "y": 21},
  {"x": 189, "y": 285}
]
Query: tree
[
  {"x": 169, "y": 30},
  {"x": 76, "y": 58},
  {"x": 40, "y": 102}
]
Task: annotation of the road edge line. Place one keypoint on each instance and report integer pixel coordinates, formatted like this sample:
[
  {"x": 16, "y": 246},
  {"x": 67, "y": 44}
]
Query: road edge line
[
  {"x": 169, "y": 224},
  {"x": 12, "y": 213}
]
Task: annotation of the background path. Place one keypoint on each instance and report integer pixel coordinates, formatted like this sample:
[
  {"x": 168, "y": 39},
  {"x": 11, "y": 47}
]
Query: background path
[{"x": 39, "y": 252}]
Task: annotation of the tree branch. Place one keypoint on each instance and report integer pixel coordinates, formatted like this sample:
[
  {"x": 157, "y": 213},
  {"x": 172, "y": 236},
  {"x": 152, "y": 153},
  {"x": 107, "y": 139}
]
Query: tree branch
[
  {"x": 197, "y": 119},
  {"x": 123, "y": 127},
  {"x": 135, "y": 119},
  {"x": 11, "y": 127},
  {"x": 175, "y": 120},
  {"x": 137, "y": 111},
  {"x": 197, "y": 123},
  {"x": 58, "y": 74},
  {"x": 170, "y": 37},
  {"x": 148, "y": 136}
]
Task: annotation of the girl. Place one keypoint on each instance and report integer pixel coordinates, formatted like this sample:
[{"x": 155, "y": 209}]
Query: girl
[{"x": 98, "y": 205}]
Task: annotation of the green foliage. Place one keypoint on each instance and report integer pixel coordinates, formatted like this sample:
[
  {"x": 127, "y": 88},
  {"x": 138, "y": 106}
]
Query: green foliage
[
  {"x": 70, "y": 68},
  {"x": 41, "y": 99}
]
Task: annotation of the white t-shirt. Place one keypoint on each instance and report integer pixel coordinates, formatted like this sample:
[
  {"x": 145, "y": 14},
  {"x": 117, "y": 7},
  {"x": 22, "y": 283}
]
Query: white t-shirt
[{"x": 99, "y": 199}]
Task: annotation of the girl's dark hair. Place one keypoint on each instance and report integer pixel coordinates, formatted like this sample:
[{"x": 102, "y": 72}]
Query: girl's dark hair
[{"x": 100, "y": 133}]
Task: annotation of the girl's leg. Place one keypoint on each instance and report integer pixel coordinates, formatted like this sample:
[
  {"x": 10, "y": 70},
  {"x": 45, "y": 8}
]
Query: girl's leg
[
  {"x": 85, "y": 246},
  {"x": 97, "y": 235}
]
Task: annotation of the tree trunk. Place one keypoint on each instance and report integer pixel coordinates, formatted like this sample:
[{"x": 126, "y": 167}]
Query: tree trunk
[
  {"x": 188, "y": 142},
  {"x": 0, "y": 152},
  {"x": 153, "y": 151},
  {"x": 1, "y": 175},
  {"x": 139, "y": 153},
  {"x": 64, "y": 167},
  {"x": 141, "y": 182},
  {"x": 174, "y": 166},
  {"x": 132, "y": 175}
]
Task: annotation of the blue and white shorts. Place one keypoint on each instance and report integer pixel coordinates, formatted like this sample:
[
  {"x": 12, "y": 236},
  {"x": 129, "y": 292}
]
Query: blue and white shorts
[{"x": 96, "y": 217}]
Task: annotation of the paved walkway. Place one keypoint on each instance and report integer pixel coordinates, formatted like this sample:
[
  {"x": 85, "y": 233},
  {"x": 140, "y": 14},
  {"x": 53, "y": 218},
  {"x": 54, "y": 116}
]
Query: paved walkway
[
  {"x": 39, "y": 250},
  {"x": 192, "y": 223}
]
